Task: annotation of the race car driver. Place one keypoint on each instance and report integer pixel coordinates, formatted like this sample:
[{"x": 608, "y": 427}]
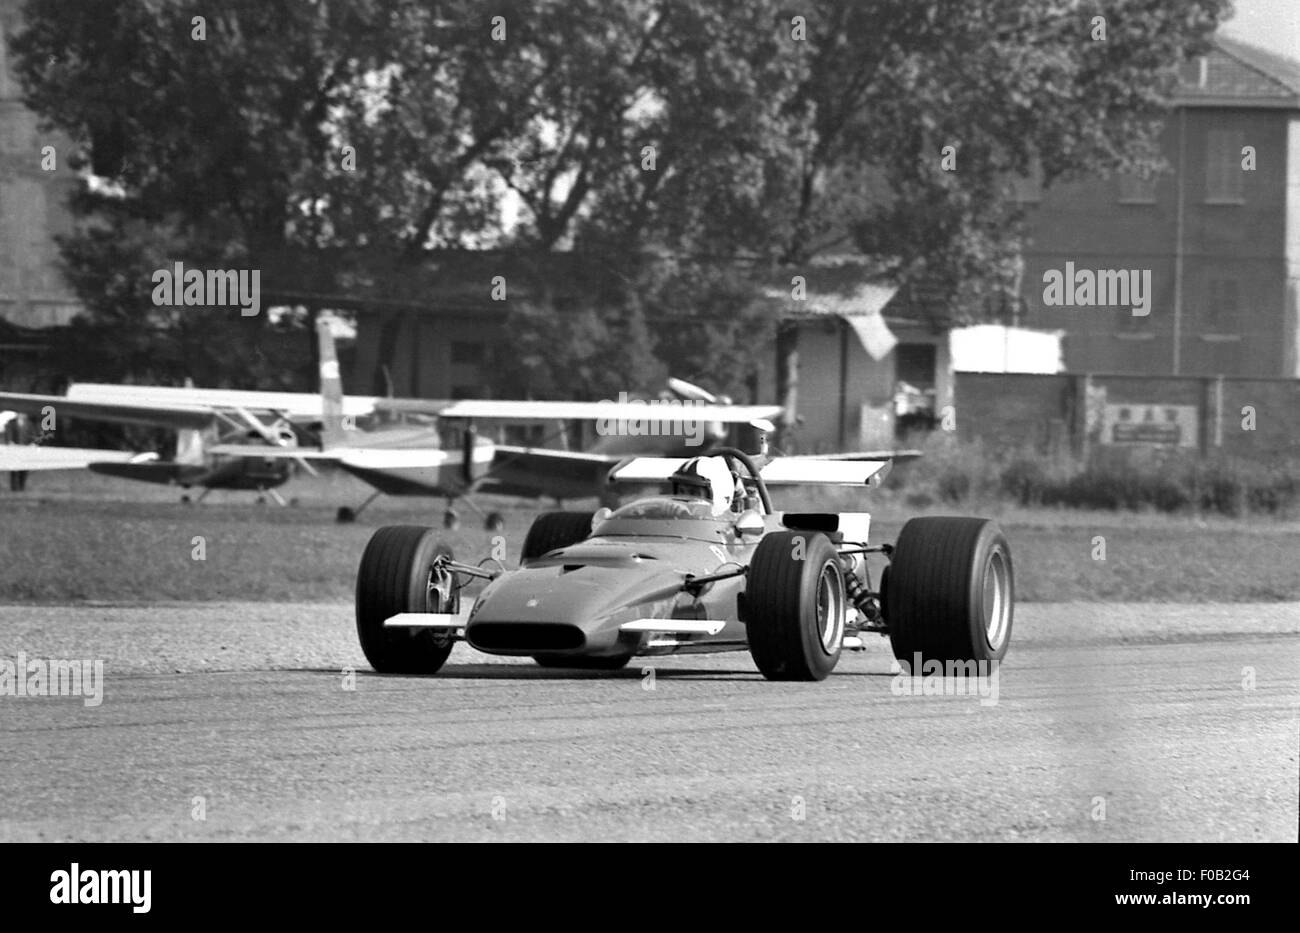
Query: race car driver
[{"x": 707, "y": 478}]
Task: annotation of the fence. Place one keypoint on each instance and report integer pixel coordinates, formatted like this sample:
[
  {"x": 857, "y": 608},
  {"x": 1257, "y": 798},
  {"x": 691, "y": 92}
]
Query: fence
[{"x": 1076, "y": 413}]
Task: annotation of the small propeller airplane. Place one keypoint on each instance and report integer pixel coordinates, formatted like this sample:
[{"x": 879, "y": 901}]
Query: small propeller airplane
[
  {"x": 202, "y": 418},
  {"x": 412, "y": 460},
  {"x": 248, "y": 440}
]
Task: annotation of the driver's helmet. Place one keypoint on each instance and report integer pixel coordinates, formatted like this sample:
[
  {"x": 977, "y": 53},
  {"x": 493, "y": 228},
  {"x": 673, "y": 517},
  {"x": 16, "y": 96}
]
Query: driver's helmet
[{"x": 705, "y": 478}]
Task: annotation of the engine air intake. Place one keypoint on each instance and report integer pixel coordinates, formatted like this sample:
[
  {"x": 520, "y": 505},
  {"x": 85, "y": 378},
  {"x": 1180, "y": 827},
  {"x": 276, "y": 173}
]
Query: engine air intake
[{"x": 525, "y": 636}]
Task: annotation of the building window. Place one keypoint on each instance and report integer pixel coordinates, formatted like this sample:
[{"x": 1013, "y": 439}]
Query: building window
[
  {"x": 1134, "y": 189},
  {"x": 467, "y": 353},
  {"x": 1221, "y": 309},
  {"x": 915, "y": 369},
  {"x": 1195, "y": 73},
  {"x": 1224, "y": 180}
]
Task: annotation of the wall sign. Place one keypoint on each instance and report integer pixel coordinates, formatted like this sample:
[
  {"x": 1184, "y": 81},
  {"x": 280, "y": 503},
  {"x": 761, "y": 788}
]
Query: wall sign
[{"x": 1161, "y": 425}]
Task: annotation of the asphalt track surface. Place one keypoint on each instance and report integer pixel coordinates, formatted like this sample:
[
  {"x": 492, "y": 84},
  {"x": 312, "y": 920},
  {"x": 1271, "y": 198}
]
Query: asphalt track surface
[{"x": 1111, "y": 722}]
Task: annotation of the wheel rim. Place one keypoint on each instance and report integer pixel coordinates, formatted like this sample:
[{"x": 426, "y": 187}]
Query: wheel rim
[
  {"x": 997, "y": 600},
  {"x": 830, "y": 608}
]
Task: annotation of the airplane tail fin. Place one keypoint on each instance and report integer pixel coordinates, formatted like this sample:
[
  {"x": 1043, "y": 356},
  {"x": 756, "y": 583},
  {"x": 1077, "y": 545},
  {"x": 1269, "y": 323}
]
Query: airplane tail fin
[{"x": 331, "y": 388}]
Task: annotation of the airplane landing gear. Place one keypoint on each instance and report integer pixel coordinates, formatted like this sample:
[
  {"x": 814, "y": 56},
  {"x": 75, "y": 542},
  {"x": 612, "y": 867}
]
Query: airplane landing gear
[{"x": 346, "y": 515}]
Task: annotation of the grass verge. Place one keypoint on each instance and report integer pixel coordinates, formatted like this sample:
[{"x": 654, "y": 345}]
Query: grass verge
[{"x": 69, "y": 543}]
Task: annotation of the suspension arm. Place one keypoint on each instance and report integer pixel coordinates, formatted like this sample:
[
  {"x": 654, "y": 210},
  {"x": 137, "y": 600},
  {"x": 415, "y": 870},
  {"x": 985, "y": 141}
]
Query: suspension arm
[
  {"x": 694, "y": 585},
  {"x": 469, "y": 570}
]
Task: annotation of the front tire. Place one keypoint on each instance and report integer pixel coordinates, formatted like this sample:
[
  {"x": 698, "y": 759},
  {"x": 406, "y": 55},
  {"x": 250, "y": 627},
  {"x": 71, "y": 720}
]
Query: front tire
[
  {"x": 553, "y": 530},
  {"x": 951, "y": 591},
  {"x": 397, "y": 575},
  {"x": 795, "y": 606}
]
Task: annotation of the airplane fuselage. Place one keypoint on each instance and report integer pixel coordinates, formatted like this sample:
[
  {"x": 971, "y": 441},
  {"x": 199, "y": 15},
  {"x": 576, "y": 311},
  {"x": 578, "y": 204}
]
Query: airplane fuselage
[{"x": 252, "y": 474}]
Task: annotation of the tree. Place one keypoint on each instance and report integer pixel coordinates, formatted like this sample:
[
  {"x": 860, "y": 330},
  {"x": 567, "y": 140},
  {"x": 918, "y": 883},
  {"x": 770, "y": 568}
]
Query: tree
[
  {"x": 715, "y": 137},
  {"x": 889, "y": 85},
  {"x": 587, "y": 353}
]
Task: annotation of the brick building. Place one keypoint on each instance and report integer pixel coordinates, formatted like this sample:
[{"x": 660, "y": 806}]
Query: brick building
[
  {"x": 1221, "y": 241},
  {"x": 33, "y": 295}
]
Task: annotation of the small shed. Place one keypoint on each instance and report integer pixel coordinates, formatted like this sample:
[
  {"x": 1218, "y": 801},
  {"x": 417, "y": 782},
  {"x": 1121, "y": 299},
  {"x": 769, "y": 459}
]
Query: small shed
[{"x": 857, "y": 361}]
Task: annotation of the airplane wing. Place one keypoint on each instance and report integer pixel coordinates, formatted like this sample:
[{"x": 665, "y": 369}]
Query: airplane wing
[
  {"x": 646, "y": 469},
  {"x": 412, "y": 406},
  {"x": 167, "y": 415},
  {"x": 513, "y": 471},
  {"x": 33, "y": 457},
  {"x": 299, "y": 407},
  {"x": 259, "y": 452},
  {"x": 362, "y": 458},
  {"x": 815, "y": 471},
  {"x": 781, "y": 471},
  {"x": 583, "y": 411},
  {"x": 532, "y": 471},
  {"x": 860, "y": 455}
]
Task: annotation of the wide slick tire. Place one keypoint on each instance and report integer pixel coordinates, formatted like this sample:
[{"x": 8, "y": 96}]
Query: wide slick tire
[
  {"x": 552, "y": 530},
  {"x": 396, "y": 575},
  {"x": 951, "y": 591},
  {"x": 795, "y": 606}
]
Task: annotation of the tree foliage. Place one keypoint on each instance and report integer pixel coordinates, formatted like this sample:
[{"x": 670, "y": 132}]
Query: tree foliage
[{"x": 716, "y": 137}]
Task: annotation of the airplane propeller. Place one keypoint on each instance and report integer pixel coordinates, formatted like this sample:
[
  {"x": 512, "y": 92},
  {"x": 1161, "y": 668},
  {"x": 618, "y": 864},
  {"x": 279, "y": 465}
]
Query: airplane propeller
[
  {"x": 690, "y": 391},
  {"x": 280, "y": 434}
]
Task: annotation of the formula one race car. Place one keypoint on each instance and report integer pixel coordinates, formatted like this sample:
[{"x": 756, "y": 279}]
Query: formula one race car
[{"x": 711, "y": 566}]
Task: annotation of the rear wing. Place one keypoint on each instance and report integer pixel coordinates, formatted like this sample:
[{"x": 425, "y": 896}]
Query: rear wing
[{"x": 781, "y": 471}]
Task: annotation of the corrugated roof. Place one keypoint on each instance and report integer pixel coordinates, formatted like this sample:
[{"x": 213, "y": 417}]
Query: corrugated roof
[
  {"x": 845, "y": 285},
  {"x": 866, "y": 298}
]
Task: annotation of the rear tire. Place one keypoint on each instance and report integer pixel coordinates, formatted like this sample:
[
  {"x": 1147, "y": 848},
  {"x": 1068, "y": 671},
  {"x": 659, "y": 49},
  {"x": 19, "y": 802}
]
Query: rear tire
[
  {"x": 951, "y": 591},
  {"x": 396, "y": 576},
  {"x": 552, "y": 530},
  {"x": 795, "y": 606}
]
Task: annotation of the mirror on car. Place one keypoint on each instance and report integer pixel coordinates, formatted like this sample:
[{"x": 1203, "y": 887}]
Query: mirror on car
[
  {"x": 600, "y": 516},
  {"x": 750, "y": 523}
]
